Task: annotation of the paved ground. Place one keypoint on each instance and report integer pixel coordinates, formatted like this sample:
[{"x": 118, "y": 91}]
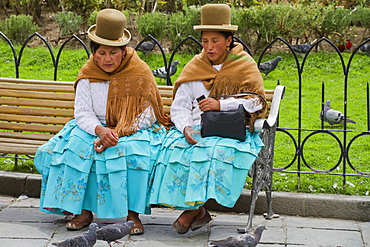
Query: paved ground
[{"x": 22, "y": 224}]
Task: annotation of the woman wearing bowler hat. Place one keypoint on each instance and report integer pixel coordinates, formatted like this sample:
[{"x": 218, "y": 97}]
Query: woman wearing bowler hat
[
  {"x": 100, "y": 161},
  {"x": 189, "y": 170}
]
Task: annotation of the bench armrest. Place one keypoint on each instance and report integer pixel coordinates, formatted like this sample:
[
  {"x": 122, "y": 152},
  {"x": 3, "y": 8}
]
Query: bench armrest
[{"x": 274, "y": 110}]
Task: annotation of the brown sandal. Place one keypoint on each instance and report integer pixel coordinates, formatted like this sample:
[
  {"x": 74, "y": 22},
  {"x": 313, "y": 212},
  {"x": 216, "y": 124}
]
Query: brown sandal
[
  {"x": 180, "y": 228},
  {"x": 198, "y": 223},
  {"x": 78, "y": 222},
  {"x": 137, "y": 229}
]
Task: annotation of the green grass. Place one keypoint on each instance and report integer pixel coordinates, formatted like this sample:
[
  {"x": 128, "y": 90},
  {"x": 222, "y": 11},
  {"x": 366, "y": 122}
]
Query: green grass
[{"x": 321, "y": 151}]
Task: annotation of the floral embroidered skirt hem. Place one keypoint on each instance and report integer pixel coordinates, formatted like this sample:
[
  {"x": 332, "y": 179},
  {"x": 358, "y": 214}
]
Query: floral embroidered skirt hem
[
  {"x": 186, "y": 176},
  {"x": 75, "y": 177}
]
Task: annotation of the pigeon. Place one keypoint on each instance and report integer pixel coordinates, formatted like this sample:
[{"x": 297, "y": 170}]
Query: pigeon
[
  {"x": 269, "y": 66},
  {"x": 302, "y": 48},
  {"x": 161, "y": 72},
  {"x": 334, "y": 117},
  {"x": 365, "y": 48},
  {"x": 245, "y": 240},
  {"x": 86, "y": 239},
  {"x": 113, "y": 232},
  {"x": 146, "y": 47}
]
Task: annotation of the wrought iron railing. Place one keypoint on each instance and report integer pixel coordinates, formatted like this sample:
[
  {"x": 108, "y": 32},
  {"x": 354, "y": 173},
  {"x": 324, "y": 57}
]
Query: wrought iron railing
[{"x": 298, "y": 136}]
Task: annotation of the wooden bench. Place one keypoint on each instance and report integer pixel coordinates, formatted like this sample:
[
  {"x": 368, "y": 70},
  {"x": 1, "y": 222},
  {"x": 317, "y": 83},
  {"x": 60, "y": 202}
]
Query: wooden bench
[{"x": 33, "y": 111}]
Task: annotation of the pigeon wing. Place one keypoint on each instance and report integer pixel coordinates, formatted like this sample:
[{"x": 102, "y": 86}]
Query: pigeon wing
[
  {"x": 109, "y": 233},
  {"x": 230, "y": 241},
  {"x": 265, "y": 67},
  {"x": 333, "y": 116}
]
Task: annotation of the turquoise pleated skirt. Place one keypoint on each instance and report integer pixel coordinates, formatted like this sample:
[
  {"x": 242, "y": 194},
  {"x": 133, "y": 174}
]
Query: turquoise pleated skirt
[
  {"x": 185, "y": 176},
  {"x": 75, "y": 177}
]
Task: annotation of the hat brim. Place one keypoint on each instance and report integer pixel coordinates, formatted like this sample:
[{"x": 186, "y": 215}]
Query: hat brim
[
  {"x": 126, "y": 37},
  {"x": 227, "y": 28}
]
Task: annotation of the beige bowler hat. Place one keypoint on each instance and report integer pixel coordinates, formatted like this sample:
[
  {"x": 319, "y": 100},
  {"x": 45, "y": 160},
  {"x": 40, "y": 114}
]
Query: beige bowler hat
[
  {"x": 216, "y": 17},
  {"x": 110, "y": 28}
]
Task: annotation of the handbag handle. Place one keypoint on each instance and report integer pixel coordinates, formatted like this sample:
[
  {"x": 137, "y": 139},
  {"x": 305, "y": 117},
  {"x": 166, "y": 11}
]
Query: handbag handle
[{"x": 239, "y": 95}]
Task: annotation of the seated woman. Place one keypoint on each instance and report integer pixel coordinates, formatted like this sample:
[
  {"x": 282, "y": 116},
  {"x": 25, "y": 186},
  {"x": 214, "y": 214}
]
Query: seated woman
[
  {"x": 189, "y": 171},
  {"x": 101, "y": 160}
]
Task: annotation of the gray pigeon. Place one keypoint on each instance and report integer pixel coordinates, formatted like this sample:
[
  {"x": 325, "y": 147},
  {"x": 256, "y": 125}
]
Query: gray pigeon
[
  {"x": 113, "y": 232},
  {"x": 334, "y": 117},
  {"x": 146, "y": 47},
  {"x": 86, "y": 239},
  {"x": 245, "y": 240},
  {"x": 161, "y": 72},
  {"x": 365, "y": 48},
  {"x": 302, "y": 48},
  {"x": 269, "y": 66}
]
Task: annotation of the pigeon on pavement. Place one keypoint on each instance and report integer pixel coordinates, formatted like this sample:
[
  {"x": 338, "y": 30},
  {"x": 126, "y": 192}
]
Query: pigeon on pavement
[
  {"x": 302, "y": 48},
  {"x": 333, "y": 116},
  {"x": 269, "y": 66},
  {"x": 245, "y": 240},
  {"x": 113, "y": 232},
  {"x": 146, "y": 47},
  {"x": 86, "y": 239},
  {"x": 365, "y": 48},
  {"x": 161, "y": 72}
]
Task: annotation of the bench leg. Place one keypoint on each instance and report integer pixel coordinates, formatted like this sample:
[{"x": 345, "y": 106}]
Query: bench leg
[{"x": 262, "y": 177}]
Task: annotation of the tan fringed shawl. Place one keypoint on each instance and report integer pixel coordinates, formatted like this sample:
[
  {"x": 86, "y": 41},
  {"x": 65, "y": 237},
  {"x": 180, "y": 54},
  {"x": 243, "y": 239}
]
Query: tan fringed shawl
[
  {"x": 132, "y": 88},
  {"x": 238, "y": 74}
]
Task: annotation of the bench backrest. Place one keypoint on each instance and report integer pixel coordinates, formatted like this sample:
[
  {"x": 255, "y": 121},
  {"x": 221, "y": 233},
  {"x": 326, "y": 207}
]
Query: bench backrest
[{"x": 36, "y": 110}]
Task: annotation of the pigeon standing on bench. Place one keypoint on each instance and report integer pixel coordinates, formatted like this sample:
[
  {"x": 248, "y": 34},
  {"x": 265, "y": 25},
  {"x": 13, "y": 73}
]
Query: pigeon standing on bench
[
  {"x": 113, "y": 232},
  {"x": 86, "y": 239},
  {"x": 333, "y": 116},
  {"x": 302, "y": 48},
  {"x": 269, "y": 66},
  {"x": 245, "y": 240},
  {"x": 146, "y": 47},
  {"x": 161, "y": 72}
]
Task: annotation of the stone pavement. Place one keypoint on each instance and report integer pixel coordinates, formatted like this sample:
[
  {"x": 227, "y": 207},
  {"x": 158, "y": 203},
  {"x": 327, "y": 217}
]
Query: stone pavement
[{"x": 22, "y": 224}]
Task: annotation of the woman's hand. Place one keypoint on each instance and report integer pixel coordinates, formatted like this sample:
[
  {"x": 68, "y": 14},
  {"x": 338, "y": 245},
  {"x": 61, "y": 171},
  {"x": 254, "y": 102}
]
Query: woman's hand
[
  {"x": 209, "y": 104},
  {"x": 107, "y": 138},
  {"x": 189, "y": 133}
]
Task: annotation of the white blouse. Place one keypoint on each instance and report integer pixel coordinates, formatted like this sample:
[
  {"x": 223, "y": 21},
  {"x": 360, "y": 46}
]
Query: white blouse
[
  {"x": 185, "y": 110},
  {"x": 90, "y": 107}
]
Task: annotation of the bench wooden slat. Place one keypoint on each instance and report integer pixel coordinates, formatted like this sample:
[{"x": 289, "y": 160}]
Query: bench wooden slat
[
  {"x": 37, "y": 95},
  {"x": 36, "y": 111},
  {"x": 16, "y": 148},
  {"x": 38, "y": 82},
  {"x": 30, "y": 127},
  {"x": 167, "y": 101},
  {"x": 33, "y": 119},
  {"x": 24, "y": 135},
  {"x": 37, "y": 102},
  {"x": 37, "y": 88},
  {"x": 22, "y": 141}
]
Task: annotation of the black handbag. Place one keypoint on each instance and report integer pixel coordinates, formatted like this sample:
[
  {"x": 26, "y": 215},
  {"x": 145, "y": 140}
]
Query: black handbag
[{"x": 228, "y": 124}]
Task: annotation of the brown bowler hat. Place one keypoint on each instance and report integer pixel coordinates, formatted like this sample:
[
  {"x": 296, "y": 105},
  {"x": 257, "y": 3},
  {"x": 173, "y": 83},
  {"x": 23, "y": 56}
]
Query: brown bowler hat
[
  {"x": 110, "y": 28},
  {"x": 216, "y": 17}
]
